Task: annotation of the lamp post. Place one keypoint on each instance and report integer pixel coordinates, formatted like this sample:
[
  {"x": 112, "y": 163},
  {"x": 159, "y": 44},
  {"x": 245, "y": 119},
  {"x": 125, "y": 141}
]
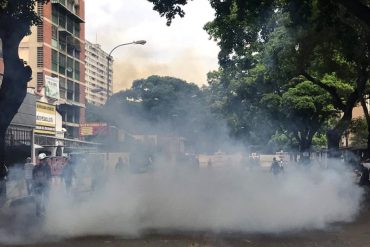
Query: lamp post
[{"x": 109, "y": 58}]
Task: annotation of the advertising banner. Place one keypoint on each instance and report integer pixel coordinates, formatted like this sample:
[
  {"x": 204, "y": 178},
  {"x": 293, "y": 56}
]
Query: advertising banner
[
  {"x": 92, "y": 129},
  {"x": 45, "y": 118},
  {"x": 52, "y": 87}
]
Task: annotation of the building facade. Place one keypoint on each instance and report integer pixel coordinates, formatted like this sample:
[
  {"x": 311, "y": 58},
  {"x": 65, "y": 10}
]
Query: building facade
[
  {"x": 56, "y": 53},
  {"x": 96, "y": 75}
]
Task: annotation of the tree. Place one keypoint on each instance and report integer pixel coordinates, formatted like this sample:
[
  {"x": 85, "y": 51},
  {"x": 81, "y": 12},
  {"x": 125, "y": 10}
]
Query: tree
[
  {"x": 169, "y": 106},
  {"x": 171, "y": 8},
  {"x": 16, "y": 19},
  {"x": 237, "y": 100},
  {"x": 325, "y": 41},
  {"x": 305, "y": 111}
]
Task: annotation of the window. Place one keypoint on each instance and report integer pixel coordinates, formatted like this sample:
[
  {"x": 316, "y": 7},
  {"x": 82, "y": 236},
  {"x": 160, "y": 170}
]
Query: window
[
  {"x": 55, "y": 14},
  {"x": 62, "y": 20},
  {"x": 62, "y": 87},
  {"x": 77, "y": 53},
  {"x": 70, "y": 25},
  {"x": 77, "y": 70},
  {"x": 77, "y": 92},
  {"x": 77, "y": 29},
  {"x": 62, "y": 43},
  {"x": 54, "y": 60},
  {"x": 62, "y": 64},
  {"x": 54, "y": 32},
  {"x": 70, "y": 46},
  {"x": 70, "y": 88},
  {"x": 69, "y": 67}
]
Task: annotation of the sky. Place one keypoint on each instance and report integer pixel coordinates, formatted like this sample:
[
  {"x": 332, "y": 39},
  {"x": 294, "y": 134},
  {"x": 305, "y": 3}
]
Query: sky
[{"x": 182, "y": 50}]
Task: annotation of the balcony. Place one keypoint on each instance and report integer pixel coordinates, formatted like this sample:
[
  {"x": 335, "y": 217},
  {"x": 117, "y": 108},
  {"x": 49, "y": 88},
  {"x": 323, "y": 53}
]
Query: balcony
[{"x": 70, "y": 7}]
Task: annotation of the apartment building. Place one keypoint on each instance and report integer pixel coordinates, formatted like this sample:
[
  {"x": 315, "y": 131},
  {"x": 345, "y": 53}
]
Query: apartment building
[
  {"x": 96, "y": 63},
  {"x": 56, "y": 53}
]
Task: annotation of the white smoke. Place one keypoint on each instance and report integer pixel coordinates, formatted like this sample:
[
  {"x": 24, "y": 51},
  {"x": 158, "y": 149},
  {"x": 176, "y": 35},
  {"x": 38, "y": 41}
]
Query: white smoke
[{"x": 217, "y": 200}]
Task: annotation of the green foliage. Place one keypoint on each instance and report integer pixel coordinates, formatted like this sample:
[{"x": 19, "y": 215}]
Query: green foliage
[
  {"x": 289, "y": 66},
  {"x": 167, "y": 105},
  {"x": 319, "y": 141},
  {"x": 18, "y": 16},
  {"x": 358, "y": 133}
]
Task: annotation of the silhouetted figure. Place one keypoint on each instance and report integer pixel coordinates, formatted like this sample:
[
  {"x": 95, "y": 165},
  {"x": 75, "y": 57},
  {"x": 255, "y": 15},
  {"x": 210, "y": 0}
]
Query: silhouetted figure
[
  {"x": 275, "y": 167},
  {"x": 209, "y": 164},
  {"x": 68, "y": 174},
  {"x": 3, "y": 176},
  {"x": 41, "y": 175},
  {"x": 120, "y": 165},
  {"x": 364, "y": 178}
]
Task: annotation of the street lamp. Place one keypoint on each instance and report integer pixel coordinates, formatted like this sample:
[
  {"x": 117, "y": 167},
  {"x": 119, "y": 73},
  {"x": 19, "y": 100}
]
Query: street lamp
[{"x": 109, "y": 58}]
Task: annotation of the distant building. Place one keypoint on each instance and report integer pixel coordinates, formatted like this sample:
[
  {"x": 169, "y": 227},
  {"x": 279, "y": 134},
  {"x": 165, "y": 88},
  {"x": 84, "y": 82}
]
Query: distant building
[
  {"x": 56, "y": 53},
  {"x": 96, "y": 74}
]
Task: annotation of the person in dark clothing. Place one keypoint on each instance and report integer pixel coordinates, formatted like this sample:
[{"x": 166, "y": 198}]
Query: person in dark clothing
[
  {"x": 364, "y": 178},
  {"x": 121, "y": 166},
  {"x": 41, "y": 175},
  {"x": 3, "y": 176},
  {"x": 275, "y": 167},
  {"x": 68, "y": 174}
]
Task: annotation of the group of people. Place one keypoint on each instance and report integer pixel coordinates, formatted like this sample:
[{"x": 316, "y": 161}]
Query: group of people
[{"x": 38, "y": 179}]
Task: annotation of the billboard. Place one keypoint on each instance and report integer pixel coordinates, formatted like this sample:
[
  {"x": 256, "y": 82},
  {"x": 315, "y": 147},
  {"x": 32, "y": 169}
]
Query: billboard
[
  {"x": 92, "y": 129},
  {"x": 45, "y": 118},
  {"x": 52, "y": 87}
]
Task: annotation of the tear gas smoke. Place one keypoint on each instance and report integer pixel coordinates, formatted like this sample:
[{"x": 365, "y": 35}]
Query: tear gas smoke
[{"x": 224, "y": 199}]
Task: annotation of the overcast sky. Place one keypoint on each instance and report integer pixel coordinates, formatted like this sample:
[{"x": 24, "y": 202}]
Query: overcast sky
[{"x": 182, "y": 50}]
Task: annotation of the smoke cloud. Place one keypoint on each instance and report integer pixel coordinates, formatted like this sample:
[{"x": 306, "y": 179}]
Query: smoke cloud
[
  {"x": 224, "y": 199},
  {"x": 188, "y": 65}
]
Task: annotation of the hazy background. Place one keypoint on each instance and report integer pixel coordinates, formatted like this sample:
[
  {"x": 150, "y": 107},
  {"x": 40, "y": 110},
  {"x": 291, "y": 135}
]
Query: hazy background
[{"x": 182, "y": 50}]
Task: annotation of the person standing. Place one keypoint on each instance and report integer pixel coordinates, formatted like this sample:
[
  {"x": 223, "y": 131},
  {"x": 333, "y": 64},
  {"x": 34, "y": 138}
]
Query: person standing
[
  {"x": 364, "y": 178},
  {"x": 120, "y": 165},
  {"x": 3, "y": 177},
  {"x": 41, "y": 175},
  {"x": 28, "y": 168},
  {"x": 275, "y": 167},
  {"x": 68, "y": 174}
]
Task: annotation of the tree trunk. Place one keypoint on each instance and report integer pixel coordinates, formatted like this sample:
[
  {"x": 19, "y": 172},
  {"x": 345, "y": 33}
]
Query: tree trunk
[
  {"x": 367, "y": 117},
  {"x": 305, "y": 143},
  {"x": 334, "y": 135},
  {"x": 14, "y": 85}
]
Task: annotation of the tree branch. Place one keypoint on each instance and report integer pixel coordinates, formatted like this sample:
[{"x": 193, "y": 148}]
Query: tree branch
[{"x": 331, "y": 90}]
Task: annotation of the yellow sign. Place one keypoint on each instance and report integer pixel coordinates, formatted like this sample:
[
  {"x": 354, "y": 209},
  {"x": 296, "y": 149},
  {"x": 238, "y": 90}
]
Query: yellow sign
[
  {"x": 86, "y": 131},
  {"x": 91, "y": 129},
  {"x": 45, "y": 118}
]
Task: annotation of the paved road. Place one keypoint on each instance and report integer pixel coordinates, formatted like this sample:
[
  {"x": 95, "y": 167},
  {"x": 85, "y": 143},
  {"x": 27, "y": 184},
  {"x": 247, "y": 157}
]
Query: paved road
[{"x": 356, "y": 234}]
